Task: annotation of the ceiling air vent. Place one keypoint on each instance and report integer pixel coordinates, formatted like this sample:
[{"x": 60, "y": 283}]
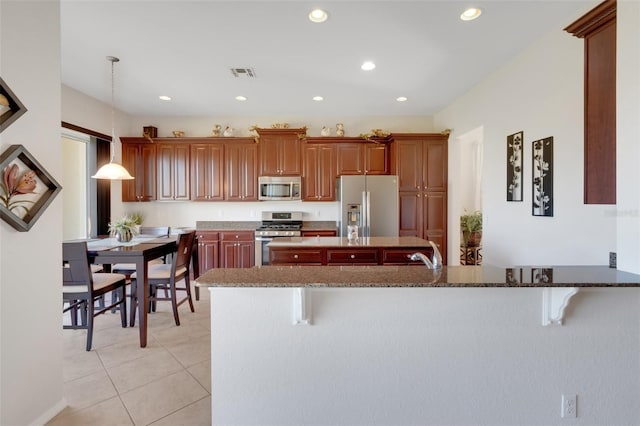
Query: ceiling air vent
[{"x": 243, "y": 72}]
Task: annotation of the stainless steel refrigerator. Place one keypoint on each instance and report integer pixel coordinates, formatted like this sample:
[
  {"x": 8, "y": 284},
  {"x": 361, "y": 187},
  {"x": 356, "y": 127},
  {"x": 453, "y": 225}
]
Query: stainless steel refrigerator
[{"x": 371, "y": 202}]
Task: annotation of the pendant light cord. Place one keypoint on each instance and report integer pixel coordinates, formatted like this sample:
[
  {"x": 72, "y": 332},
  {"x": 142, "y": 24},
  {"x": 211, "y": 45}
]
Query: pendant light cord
[{"x": 113, "y": 60}]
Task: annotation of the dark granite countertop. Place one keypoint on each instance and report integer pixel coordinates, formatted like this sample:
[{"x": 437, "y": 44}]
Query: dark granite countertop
[
  {"x": 418, "y": 276},
  {"x": 219, "y": 225},
  {"x": 227, "y": 225}
]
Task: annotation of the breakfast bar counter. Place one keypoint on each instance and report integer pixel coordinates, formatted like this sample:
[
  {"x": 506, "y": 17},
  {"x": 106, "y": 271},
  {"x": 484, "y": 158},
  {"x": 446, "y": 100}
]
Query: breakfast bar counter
[
  {"x": 382, "y": 345},
  {"x": 418, "y": 276}
]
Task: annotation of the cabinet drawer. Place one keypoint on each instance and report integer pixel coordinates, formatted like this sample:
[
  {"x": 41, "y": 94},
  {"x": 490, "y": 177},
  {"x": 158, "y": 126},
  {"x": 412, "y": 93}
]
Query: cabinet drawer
[
  {"x": 402, "y": 256},
  {"x": 288, "y": 256},
  {"x": 352, "y": 256},
  {"x": 236, "y": 236},
  {"x": 207, "y": 236},
  {"x": 319, "y": 233}
]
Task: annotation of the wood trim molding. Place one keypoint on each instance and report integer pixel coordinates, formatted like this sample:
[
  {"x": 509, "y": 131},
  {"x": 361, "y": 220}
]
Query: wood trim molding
[
  {"x": 594, "y": 19},
  {"x": 85, "y": 131}
]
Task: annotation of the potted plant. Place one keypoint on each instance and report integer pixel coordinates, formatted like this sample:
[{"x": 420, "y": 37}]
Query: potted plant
[
  {"x": 471, "y": 229},
  {"x": 125, "y": 228}
]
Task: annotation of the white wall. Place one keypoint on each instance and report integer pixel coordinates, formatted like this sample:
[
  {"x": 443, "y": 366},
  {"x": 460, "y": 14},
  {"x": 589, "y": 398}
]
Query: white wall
[
  {"x": 423, "y": 356},
  {"x": 30, "y": 276},
  {"x": 541, "y": 93},
  {"x": 628, "y": 135},
  {"x": 74, "y": 180}
]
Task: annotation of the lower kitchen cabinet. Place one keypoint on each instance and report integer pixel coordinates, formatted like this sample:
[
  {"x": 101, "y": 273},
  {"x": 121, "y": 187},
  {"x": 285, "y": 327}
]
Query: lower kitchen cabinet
[
  {"x": 281, "y": 255},
  {"x": 237, "y": 249},
  {"x": 208, "y": 250}
]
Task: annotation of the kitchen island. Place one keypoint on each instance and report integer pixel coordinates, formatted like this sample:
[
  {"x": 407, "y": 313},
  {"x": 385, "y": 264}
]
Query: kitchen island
[{"x": 382, "y": 345}]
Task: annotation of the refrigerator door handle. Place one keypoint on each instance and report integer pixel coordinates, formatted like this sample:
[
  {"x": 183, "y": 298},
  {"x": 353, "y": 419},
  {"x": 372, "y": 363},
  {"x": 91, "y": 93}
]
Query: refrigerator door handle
[{"x": 366, "y": 213}]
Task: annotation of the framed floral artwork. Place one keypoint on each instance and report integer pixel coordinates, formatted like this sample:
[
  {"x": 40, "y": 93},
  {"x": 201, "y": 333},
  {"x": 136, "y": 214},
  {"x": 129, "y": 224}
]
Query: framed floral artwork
[
  {"x": 514, "y": 168},
  {"x": 10, "y": 106},
  {"x": 542, "y": 177},
  {"x": 26, "y": 189}
]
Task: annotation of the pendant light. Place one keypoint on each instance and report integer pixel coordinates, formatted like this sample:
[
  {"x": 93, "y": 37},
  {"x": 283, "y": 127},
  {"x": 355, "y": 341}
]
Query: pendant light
[{"x": 111, "y": 170}]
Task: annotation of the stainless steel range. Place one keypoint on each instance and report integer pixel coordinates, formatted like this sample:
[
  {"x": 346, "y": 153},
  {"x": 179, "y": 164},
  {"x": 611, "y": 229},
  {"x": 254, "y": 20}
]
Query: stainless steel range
[{"x": 275, "y": 224}]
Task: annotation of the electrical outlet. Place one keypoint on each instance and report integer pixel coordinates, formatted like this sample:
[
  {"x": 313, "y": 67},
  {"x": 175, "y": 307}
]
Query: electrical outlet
[
  {"x": 569, "y": 406},
  {"x": 612, "y": 259}
]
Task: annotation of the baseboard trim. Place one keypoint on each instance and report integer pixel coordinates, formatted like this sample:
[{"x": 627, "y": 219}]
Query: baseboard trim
[{"x": 45, "y": 417}]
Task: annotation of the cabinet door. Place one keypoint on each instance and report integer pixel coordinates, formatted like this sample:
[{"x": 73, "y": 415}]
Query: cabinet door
[
  {"x": 280, "y": 155},
  {"x": 409, "y": 165},
  {"x": 140, "y": 161},
  {"x": 246, "y": 252},
  {"x": 173, "y": 171},
  {"x": 350, "y": 159},
  {"x": 410, "y": 214},
  {"x": 376, "y": 159},
  {"x": 146, "y": 173},
  {"x": 208, "y": 251},
  {"x": 435, "y": 220},
  {"x": 319, "y": 173},
  {"x": 207, "y": 172},
  {"x": 435, "y": 166},
  {"x": 228, "y": 254},
  {"x": 130, "y": 158},
  {"x": 240, "y": 176}
]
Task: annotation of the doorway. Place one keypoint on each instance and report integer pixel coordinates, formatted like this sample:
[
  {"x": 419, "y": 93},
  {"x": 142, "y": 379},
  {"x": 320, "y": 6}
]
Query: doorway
[{"x": 466, "y": 191}]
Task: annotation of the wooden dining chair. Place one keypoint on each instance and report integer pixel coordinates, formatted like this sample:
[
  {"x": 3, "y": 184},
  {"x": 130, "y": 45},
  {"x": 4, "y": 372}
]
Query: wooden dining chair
[
  {"x": 168, "y": 277},
  {"x": 81, "y": 289}
]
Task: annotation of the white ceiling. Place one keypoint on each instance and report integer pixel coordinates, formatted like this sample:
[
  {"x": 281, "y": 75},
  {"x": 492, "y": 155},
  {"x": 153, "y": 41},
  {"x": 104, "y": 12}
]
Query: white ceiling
[{"x": 185, "y": 49}]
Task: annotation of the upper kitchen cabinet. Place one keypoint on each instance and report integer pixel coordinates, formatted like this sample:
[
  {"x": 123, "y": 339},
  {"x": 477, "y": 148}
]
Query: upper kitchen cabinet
[
  {"x": 139, "y": 158},
  {"x": 598, "y": 29},
  {"x": 319, "y": 172},
  {"x": 281, "y": 151},
  {"x": 420, "y": 161},
  {"x": 241, "y": 181},
  {"x": 173, "y": 171},
  {"x": 361, "y": 157},
  {"x": 207, "y": 172}
]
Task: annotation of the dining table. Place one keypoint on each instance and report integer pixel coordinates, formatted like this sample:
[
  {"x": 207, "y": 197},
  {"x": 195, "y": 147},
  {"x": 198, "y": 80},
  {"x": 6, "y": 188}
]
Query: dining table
[{"x": 139, "y": 251}]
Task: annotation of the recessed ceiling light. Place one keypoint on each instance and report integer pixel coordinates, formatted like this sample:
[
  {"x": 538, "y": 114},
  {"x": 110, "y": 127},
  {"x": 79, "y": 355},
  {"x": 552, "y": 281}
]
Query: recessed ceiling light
[
  {"x": 164, "y": 97},
  {"x": 241, "y": 98},
  {"x": 401, "y": 99},
  {"x": 470, "y": 14},
  {"x": 318, "y": 16},
  {"x": 318, "y": 98},
  {"x": 368, "y": 66}
]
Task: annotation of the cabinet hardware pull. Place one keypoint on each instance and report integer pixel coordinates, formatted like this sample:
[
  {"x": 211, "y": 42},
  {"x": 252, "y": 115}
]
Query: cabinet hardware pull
[
  {"x": 295, "y": 256},
  {"x": 353, "y": 256}
]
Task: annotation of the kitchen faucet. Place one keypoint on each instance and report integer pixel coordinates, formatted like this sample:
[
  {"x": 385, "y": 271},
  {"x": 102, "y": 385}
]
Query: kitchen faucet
[{"x": 436, "y": 263}]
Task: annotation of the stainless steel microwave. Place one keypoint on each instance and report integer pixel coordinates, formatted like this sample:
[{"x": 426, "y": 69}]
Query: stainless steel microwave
[{"x": 279, "y": 188}]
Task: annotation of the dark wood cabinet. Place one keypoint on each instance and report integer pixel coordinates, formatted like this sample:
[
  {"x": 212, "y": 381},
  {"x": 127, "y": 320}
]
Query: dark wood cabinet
[
  {"x": 598, "y": 28},
  {"x": 319, "y": 233},
  {"x": 241, "y": 182},
  {"x": 421, "y": 166},
  {"x": 208, "y": 250},
  {"x": 319, "y": 172},
  {"x": 280, "y": 152},
  {"x": 207, "y": 172},
  {"x": 359, "y": 158},
  {"x": 172, "y": 167},
  {"x": 332, "y": 255},
  {"x": 140, "y": 160},
  {"x": 237, "y": 249}
]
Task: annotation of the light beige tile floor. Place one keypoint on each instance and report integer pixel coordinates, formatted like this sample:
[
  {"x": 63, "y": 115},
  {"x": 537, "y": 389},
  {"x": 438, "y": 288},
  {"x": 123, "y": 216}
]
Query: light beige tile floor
[{"x": 119, "y": 383}]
